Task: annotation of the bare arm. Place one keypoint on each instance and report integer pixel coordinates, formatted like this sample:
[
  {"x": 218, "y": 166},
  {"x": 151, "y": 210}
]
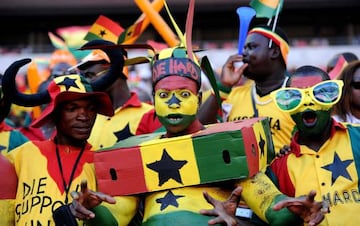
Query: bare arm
[
  {"x": 230, "y": 76},
  {"x": 208, "y": 111}
]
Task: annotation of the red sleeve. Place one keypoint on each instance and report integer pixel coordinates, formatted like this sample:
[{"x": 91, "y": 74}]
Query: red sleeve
[
  {"x": 280, "y": 169},
  {"x": 149, "y": 123}
]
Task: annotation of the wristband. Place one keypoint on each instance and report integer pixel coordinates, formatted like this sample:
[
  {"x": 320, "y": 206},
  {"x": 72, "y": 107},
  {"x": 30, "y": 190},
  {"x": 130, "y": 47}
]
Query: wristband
[
  {"x": 63, "y": 216},
  {"x": 243, "y": 212}
]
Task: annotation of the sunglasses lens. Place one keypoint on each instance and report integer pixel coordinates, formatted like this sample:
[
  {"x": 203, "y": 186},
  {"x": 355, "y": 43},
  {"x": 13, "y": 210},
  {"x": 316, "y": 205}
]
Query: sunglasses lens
[
  {"x": 327, "y": 93},
  {"x": 355, "y": 85},
  {"x": 288, "y": 99}
]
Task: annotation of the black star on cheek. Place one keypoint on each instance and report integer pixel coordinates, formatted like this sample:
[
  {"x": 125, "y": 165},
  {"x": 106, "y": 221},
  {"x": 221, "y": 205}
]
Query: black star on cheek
[
  {"x": 169, "y": 199},
  {"x": 173, "y": 100},
  {"x": 102, "y": 33},
  {"x": 167, "y": 168},
  {"x": 262, "y": 145},
  {"x": 124, "y": 133},
  {"x": 68, "y": 82},
  {"x": 338, "y": 168}
]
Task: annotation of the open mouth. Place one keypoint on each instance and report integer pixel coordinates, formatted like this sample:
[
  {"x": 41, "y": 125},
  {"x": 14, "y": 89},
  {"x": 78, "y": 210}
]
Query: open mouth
[
  {"x": 309, "y": 118},
  {"x": 174, "y": 119}
]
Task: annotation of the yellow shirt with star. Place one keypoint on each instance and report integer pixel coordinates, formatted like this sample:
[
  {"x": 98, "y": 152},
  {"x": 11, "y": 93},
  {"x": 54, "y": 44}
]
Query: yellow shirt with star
[{"x": 240, "y": 105}]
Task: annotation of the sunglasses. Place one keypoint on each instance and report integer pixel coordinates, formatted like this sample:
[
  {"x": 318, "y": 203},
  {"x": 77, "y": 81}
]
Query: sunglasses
[
  {"x": 355, "y": 85},
  {"x": 326, "y": 93}
]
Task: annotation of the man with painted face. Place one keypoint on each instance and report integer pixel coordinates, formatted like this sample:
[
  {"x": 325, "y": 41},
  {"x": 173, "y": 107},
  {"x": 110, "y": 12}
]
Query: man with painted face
[
  {"x": 264, "y": 64},
  {"x": 324, "y": 152},
  {"x": 176, "y": 83},
  {"x": 177, "y": 95}
]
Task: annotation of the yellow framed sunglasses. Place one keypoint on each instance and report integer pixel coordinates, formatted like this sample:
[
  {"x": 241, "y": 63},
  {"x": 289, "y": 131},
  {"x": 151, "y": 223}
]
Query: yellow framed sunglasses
[{"x": 326, "y": 93}]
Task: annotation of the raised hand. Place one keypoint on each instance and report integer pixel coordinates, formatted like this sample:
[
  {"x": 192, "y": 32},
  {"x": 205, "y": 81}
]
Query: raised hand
[
  {"x": 224, "y": 212},
  {"x": 231, "y": 74},
  {"x": 306, "y": 207},
  {"x": 85, "y": 200}
]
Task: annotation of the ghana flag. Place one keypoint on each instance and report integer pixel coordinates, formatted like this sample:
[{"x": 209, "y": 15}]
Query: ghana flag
[
  {"x": 223, "y": 151},
  {"x": 266, "y": 8},
  {"x": 105, "y": 29}
]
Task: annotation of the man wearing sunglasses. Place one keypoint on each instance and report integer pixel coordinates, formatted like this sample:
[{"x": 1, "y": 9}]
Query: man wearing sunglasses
[{"x": 324, "y": 153}]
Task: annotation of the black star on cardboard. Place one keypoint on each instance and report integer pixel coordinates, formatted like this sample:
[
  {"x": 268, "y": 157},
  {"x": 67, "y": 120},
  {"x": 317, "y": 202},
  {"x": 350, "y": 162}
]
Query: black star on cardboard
[
  {"x": 262, "y": 146},
  {"x": 167, "y": 168},
  {"x": 124, "y": 133},
  {"x": 169, "y": 199},
  {"x": 173, "y": 100},
  {"x": 68, "y": 82},
  {"x": 338, "y": 168}
]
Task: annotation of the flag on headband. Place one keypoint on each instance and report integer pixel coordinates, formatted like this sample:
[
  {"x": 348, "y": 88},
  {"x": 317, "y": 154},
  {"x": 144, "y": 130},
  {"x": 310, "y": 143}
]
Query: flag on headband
[
  {"x": 131, "y": 32},
  {"x": 266, "y": 8},
  {"x": 104, "y": 28}
]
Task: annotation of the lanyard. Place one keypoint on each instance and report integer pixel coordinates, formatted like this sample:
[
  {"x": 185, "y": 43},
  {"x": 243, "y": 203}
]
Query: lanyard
[{"x": 67, "y": 187}]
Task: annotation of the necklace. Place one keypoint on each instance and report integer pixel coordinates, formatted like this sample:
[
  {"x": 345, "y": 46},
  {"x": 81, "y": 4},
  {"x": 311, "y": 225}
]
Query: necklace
[
  {"x": 254, "y": 95},
  {"x": 67, "y": 186},
  {"x": 256, "y": 102}
]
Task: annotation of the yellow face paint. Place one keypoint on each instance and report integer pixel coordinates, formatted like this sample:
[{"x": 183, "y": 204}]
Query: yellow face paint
[{"x": 179, "y": 101}]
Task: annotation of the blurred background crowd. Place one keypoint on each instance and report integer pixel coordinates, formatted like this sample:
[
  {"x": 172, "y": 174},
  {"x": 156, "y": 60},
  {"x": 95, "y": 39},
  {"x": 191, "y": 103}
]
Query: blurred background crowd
[{"x": 317, "y": 29}]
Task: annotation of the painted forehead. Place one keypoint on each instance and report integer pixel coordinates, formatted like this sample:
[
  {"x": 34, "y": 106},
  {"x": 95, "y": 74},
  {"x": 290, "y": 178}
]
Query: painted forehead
[
  {"x": 174, "y": 82},
  {"x": 304, "y": 81}
]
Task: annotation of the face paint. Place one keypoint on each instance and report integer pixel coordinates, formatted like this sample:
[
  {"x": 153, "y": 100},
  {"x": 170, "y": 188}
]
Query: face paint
[
  {"x": 181, "y": 101},
  {"x": 176, "y": 102},
  {"x": 176, "y": 108},
  {"x": 312, "y": 123}
]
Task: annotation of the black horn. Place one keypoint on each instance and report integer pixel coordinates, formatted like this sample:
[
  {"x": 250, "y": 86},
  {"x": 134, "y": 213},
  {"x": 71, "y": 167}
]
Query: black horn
[
  {"x": 11, "y": 92},
  {"x": 117, "y": 58}
]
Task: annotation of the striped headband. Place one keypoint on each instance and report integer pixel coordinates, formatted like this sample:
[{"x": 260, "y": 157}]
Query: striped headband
[{"x": 284, "y": 46}]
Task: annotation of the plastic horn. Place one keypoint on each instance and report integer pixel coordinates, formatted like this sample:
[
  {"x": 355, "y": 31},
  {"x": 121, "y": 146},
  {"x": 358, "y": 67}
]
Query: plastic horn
[{"x": 245, "y": 16}]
